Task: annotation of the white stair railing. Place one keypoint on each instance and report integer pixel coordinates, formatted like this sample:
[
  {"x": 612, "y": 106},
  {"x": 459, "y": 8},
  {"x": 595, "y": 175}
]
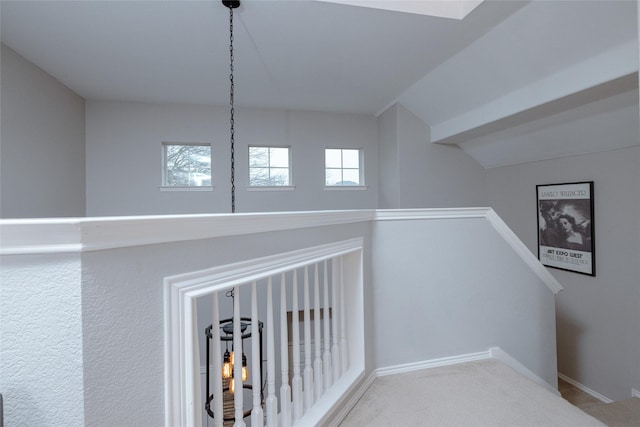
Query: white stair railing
[
  {"x": 317, "y": 333},
  {"x": 285, "y": 389},
  {"x": 335, "y": 348},
  {"x": 296, "y": 383},
  {"x": 317, "y": 336},
  {"x": 308, "y": 369},
  {"x": 257, "y": 414},
  {"x": 326, "y": 356},
  {"x": 272, "y": 401},
  {"x": 281, "y": 394}
]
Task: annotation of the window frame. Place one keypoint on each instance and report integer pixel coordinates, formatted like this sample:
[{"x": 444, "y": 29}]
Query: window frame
[
  {"x": 289, "y": 186},
  {"x": 165, "y": 186},
  {"x": 361, "y": 184}
]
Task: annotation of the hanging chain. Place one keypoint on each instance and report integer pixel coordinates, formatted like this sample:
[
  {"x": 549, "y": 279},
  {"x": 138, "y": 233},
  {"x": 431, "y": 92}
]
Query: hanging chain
[{"x": 233, "y": 183}]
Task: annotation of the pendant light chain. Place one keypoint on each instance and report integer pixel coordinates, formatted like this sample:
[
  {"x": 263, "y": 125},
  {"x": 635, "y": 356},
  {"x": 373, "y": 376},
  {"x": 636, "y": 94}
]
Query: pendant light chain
[{"x": 233, "y": 184}]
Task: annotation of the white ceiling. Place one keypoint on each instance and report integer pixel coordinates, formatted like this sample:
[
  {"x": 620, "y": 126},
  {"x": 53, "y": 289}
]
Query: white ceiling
[{"x": 495, "y": 69}]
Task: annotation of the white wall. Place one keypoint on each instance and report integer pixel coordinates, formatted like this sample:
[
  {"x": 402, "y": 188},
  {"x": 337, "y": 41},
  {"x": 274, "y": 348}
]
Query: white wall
[
  {"x": 124, "y": 157},
  {"x": 414, "y": 173},
  {"x": 598, "y": 317},
  {"x": 446, "y": 287},
  {"x": 88, "y": 327},
  {"x": 123, "y": 314},
  {"x": 388, "y": 162},
  {"x": 41, "y": 328},
  {"x": 42, "y": 169}
]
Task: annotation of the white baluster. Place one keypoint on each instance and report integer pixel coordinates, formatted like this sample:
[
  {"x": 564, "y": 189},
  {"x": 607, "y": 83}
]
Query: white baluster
[
  {"x": 344, "y": 360},
  {"x": 335, "y": 348},
  {"x": 237, "y": 367},
  {"x": 216, "y": 365},
  {"x": 317, "y": 335},
  {"x": 296, "y": 383},
  {"x": 308, "y": 370},
  {"x": 326, "y": 356},
  {"x": 271, "y": 401},
  {"x": 257, "y": 415},
  {"x": 285, "y": 390}
]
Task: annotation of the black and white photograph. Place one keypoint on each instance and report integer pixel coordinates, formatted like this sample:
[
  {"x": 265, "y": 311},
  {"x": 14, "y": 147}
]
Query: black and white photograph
[{"x": 565, "y": 226}]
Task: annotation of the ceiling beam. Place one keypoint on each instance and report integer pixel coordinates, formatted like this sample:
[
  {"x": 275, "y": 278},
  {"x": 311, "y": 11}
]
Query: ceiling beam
[{"x": 597, "y": 70}]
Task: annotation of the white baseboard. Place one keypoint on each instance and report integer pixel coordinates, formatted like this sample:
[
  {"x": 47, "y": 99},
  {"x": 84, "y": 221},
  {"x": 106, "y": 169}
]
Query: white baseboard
[
  {"x": 433, "y": 363},
  {"x": 584, "y": 388},
  {"x": 635, "y": 393},
  {"x": 353, "y": 399},
  {"x": 507, "y": 359}
]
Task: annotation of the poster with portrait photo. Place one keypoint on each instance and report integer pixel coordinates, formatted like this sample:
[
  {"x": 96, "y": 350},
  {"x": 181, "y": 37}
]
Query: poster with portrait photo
[{"x": 565, "y": 226}]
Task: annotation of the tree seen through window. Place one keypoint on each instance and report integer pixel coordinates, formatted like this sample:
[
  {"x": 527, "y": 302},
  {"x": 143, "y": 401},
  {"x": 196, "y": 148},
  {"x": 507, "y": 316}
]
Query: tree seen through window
[{"x": 187, "y": 165}]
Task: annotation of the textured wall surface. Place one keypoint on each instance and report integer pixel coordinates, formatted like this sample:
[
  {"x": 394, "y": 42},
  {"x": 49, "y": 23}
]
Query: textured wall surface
[
  {"x": 123, "y": 314},
  {"x": 41, "y": 376}
]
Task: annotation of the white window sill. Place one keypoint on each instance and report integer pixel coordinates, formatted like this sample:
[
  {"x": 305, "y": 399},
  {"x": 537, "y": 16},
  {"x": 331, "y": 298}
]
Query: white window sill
[
  {"x": 345, "y": 187},
  {"x": 272, "y": 188},
  {"x": 202, "y": 188}
]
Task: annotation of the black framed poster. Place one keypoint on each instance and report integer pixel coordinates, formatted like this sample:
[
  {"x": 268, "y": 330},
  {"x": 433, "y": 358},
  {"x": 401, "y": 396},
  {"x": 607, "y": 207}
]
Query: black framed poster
[{"x": 565, "y": 226}]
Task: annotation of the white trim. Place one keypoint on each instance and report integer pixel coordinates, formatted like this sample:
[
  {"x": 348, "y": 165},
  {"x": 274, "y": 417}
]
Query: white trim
[
  {"x": 227, "y": 276},
  {"x": 323, "y": 410},
  {"x": 493, "y": 353},
  {"x": 353, "y": 399},
  {"x": 501, "y": 355},
  {"x": 33, "y": 236},
  {"x": 425, "y": 214},
  {"x": 346, "y": 187},
  {"x": 635, "y": 393},
  {"x": 584, "y": 388},
  {"x": 496, "y": 222},
  {"x": 432, "y": 363},
  {"x": 192, "y": 188},
  {"x": 64, "y": 235},
  {"x": 69, "y": 235},
  {"x": 520, "y": 248},
  {"x": 271, "y": 187}
]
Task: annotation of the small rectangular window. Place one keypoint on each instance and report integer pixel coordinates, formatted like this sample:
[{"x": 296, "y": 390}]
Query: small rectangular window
[
  {"x": 186, "y": 164},
  {"x": 269, "y": 166},
  {"x": 343, "y": 167}
]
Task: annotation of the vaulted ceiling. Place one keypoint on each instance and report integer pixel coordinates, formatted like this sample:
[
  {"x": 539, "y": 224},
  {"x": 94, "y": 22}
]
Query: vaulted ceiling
[{"x": 507, "y": 68}]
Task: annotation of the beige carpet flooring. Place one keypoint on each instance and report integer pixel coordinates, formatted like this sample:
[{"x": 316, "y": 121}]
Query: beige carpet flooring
[
  {"x": 477, "y": 394},
  {"x": 625, "y": 413}
]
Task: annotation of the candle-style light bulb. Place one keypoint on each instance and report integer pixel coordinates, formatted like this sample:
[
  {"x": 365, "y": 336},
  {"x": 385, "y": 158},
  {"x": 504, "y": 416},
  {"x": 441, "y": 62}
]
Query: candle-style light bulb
[
  {"x": 245, "y": 370},
  {"x": 227, "y": 366}
]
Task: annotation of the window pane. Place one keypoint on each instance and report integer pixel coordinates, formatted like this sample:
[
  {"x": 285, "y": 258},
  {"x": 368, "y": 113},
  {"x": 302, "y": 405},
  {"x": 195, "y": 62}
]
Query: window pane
[
  {"x": 342, "y": 167},
  {"x": 269, "y": 166},
  {"x": 187, "y": 165},
  {"x": 351, "y": 177},
  {"x": 259, "y": 176},
  {"x": 351, "y": 159},
  {"x": 332, "y": 158},
  {"x": 279, "y": 157},
  {"x": 259, "y": 156},
  {"x": 333, "y": 177},
  {"x": 279, "y": 176}
]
